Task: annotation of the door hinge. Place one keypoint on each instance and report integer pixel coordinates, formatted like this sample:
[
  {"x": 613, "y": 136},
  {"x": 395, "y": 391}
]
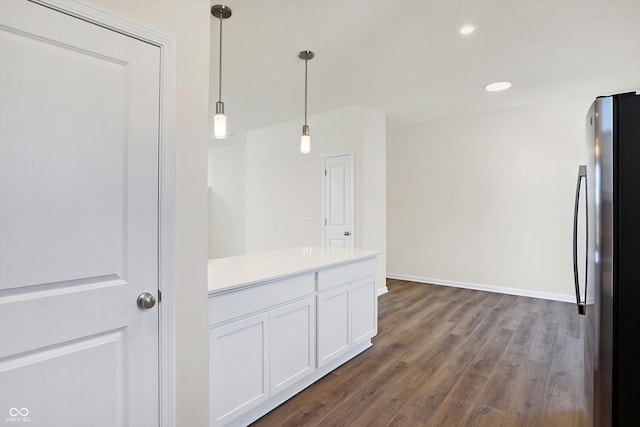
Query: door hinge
[
  {"x": 159, "y": 296},
  {"x": 325, "y": 221},
  {"x": 325, "y": 172}
]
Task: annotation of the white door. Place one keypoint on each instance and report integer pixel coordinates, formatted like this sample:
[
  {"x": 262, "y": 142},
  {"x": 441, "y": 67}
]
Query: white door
[
  {"x": 338, "y": 202},
  {"x": 78, "y": 222}
]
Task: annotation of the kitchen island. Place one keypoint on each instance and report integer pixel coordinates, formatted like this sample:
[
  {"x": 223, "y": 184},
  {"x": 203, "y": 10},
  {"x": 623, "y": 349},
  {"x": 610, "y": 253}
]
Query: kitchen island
[{"x": 281, "y": 320}]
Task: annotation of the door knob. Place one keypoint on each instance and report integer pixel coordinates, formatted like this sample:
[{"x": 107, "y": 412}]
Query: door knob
[
  {"x": 146, "y": 301},
  {"x": 347, "y": 233}
]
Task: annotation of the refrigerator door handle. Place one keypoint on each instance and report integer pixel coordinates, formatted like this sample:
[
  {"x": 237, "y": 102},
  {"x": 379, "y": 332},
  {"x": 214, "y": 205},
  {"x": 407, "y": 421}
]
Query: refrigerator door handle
[{"x": 582, "y": 174}]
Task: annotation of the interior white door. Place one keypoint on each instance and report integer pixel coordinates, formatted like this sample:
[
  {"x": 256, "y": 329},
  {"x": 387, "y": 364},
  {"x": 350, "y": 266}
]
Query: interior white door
[
  {"x": 78, "y": 221},
  {"x": 338, "y": 202}
]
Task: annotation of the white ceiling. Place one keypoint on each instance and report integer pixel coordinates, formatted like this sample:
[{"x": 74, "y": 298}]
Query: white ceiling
[{"x": 406, "y": 59}]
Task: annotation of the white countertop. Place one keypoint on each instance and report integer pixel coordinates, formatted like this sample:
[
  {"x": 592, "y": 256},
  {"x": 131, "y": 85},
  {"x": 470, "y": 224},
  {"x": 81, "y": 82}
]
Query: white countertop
[{"x": 244, "y": 270}]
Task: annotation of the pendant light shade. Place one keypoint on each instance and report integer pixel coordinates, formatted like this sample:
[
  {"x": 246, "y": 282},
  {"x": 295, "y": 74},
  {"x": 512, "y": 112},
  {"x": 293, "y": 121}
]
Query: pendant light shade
[
  {"x": 219, "y": 122},
  {"x": 305, "y": 139},
  {"x": 219, "y": 119}
]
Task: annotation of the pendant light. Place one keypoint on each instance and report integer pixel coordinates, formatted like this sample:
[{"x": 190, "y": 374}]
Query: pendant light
[
  {"x": 305, "y": 139},
  {"x": 219, "y": 119}
]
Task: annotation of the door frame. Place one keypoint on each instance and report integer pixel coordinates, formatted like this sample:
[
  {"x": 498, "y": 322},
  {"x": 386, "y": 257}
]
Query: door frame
[
  {"x": 166, "y": 190},
  {"x": 352, "y": 156}
]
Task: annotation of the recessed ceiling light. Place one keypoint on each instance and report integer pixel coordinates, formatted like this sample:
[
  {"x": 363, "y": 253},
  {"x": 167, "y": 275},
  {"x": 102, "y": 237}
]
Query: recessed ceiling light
[
  {"x": 497, "y": 86},
  {"x": 467, "y": 29}
]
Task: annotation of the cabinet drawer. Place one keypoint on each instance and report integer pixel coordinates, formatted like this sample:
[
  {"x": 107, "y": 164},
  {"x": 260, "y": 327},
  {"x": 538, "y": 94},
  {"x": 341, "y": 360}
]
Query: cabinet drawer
[
  {"x": 337, "y": 276},
  {"x": 238, "y": 303}
]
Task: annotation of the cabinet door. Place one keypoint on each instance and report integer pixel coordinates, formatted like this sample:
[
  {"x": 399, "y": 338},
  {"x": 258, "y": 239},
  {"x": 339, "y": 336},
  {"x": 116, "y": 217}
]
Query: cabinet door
[
  {"x": 334, "y": 324},
  {"x": 364, "y": 307},
  {"x": 292, "y": 343},
  {"x": 238, "y": 367}
]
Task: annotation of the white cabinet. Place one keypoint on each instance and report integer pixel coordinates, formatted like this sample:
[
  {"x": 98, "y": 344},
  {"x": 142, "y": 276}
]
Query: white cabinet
[
  {"x": 348, "y": 311},
  {"x": 292, "y": 333},
  {"x": 238, "y": 367},
  {"x": 334, "y": 318},
  {"x": 269, "y": 340},
  {"x": 364, "y": 310},
  {"x": 261, "y": 340}
]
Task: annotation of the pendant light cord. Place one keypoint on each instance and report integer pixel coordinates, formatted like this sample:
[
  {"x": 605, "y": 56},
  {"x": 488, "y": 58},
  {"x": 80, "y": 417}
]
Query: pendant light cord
[
  {"x": 305, "y": 91},
  {"x": 220, "y": 62}
]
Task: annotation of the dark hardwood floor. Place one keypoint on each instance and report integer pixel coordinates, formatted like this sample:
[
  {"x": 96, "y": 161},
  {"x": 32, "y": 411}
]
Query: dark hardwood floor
[{"x": 453, "y": 357}]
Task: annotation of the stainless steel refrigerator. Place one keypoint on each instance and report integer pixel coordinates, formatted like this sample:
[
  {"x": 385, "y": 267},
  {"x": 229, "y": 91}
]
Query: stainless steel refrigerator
[{"x": 607, "y": 276}]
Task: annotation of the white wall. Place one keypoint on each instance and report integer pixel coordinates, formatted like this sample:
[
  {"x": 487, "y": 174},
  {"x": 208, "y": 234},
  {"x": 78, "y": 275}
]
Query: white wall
[
  {"x": 227, "y": 193},
  {"x": 373, "y": 214},
  {"x": 487, "y": 201},
  {"x": 282, "y": 184},
  {"x": 189, "y": 23}
]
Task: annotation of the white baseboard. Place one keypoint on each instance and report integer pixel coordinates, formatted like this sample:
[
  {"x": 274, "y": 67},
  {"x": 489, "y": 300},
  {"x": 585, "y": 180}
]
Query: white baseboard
[
  {"x": 487, "y": 288},
  {"x": 383, "y": 290}
]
